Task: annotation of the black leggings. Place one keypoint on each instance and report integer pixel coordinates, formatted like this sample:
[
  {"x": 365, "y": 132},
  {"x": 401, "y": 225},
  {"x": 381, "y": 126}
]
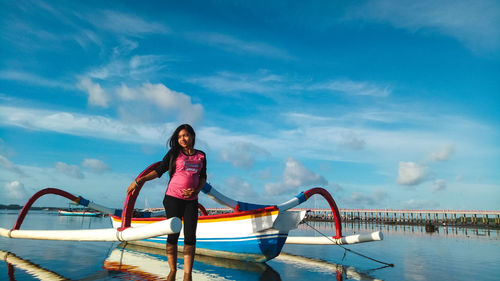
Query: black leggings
[{"x": 183, "y": 209}]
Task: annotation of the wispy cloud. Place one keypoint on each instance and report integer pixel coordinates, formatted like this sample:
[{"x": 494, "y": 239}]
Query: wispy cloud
[
  {"x": 416, "y": 204},
  {"x": 475, "y": 23},
  {"x": 126, "y": 24},
  {"x": 34, "y": 79},
  {"x": 224, "y": 82},
  {"x": 138, "y": 68},
  {"x": 266, "y": 83},
  {"x": 63, "y": 25},
  {"x": 353, "y": 88},
  {"x": 8, "y": 165},
  {"x": 233, "y": 44}
]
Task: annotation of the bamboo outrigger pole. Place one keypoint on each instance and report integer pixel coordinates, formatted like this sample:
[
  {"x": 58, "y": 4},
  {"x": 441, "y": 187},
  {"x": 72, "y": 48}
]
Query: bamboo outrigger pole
[{"x": 125, "y": 233}]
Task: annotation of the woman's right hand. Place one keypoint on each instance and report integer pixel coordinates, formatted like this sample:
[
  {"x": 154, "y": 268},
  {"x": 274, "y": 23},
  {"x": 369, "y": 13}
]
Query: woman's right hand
[{"x": 131, "y": 188}]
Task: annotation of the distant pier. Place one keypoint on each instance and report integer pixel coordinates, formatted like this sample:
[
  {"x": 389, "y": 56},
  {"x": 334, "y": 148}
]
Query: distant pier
[
  {"x": 403, "y": 217},
  {"x": 389, "y": 216}
]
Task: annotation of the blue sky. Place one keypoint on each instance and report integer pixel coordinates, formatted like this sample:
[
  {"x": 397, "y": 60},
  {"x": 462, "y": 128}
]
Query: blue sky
[{"x": 387, "y": 104}]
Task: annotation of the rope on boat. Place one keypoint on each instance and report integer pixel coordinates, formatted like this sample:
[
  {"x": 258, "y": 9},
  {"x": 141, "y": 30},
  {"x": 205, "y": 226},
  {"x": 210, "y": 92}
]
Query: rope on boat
[{"x": 349, "y": 250}]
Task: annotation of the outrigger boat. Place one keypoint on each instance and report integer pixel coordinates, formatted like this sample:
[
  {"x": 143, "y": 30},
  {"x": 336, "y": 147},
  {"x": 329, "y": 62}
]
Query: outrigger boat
[{"x": 251, "y": 232}]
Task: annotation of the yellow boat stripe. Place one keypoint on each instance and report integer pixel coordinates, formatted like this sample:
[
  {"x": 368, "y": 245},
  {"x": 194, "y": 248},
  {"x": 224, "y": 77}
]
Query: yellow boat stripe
[{"x": 235, "y": 218}]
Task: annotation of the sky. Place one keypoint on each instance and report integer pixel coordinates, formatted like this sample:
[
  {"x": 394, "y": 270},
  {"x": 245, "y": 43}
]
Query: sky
[{"x": 386, "y": 104}]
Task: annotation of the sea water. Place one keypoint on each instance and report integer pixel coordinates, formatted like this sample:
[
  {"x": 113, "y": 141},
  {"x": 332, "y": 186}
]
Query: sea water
[{"x": 450, "y": 253}]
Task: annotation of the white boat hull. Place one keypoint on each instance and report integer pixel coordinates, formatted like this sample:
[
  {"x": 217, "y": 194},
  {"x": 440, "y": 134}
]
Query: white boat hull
[{"x": 257, "y": 235}]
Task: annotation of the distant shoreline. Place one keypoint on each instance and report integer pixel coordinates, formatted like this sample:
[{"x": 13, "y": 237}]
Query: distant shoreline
[{"x": 19, "y": 207}]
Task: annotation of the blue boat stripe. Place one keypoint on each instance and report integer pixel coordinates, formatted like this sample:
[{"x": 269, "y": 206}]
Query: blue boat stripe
[
  {"x": 301, "y": 197},
  {"x": 83, "y": 201},
  {"x": 206, "y": 188},
  {"x": 227, "y": 239}
]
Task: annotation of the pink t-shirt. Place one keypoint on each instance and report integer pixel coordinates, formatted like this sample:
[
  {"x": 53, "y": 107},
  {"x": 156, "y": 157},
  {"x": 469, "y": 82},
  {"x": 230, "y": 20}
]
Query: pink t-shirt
[{"x": 186, "y": 175}]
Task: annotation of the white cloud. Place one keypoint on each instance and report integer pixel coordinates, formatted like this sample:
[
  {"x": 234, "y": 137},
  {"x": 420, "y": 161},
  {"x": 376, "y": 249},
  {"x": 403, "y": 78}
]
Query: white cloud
[
  {"x": 439, "y": 185},
  {"x": 163, "y": 98},
  {"x": 157, "y": 100},
  {"x": 352, "y": 141},
  {"x": 97, "y": 96},
  {"x": 14, "y": 190},
  {"x": 243, "y": 154},
  {"x": 294, "y": 176},
  {"x": 443, "y": 154},
  {"x": 69, "y": 170},
  {"x": 475, "y": 23},
  {"x": 411, "y": 173},
  {"x": 83, "y": 125},
  {"x": 419, "y": 204},
  {"x": 354, "y": 88},
  {"x": 8, "y": 165},
  {"x": 95, "y": 165},
  {"x": 127, "y": 94},
  {"x": 172, "y": 100}
]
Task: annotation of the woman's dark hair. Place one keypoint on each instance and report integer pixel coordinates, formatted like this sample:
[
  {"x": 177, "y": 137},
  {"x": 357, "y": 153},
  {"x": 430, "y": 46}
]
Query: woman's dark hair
[
  {"x": 175, "y": 147},
  {"x": 173, "y": 141}
]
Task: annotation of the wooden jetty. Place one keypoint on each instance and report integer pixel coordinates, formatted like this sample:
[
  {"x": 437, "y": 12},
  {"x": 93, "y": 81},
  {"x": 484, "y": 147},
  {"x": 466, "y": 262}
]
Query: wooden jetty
[
  {"x": 448, "y": 217},
  {"x": 409, "y": 217}
]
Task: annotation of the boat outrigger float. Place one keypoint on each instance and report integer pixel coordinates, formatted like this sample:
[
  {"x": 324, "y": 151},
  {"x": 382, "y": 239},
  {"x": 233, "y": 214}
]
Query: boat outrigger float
[{"x": 251, "y": 232}]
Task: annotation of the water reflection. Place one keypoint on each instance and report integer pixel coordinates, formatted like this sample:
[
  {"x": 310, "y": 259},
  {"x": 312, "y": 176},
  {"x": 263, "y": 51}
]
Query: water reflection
[
  {"x": 133, "y": 262},
  {"x": 151, "y": 264},
  {"x": 441, "y": 230},
  {"x": 33, "y": 269},
  {"x": 341, "y": 271},
  {"x": 139, "y": 263}
]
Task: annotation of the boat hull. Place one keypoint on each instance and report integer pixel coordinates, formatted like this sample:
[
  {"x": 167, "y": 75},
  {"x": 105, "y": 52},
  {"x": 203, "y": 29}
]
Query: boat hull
[{"x": 256, "y": 235}]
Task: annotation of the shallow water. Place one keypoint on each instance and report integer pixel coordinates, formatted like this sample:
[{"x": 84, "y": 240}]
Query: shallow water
[{"x": 448, "y": 254}]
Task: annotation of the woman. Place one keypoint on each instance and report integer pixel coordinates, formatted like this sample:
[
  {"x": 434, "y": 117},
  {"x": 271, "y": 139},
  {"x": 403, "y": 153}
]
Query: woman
[{"x": 187, "y": 168}]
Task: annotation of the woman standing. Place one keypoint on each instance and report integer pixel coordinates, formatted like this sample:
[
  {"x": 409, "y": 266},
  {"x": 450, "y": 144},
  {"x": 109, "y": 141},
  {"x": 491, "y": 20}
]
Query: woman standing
[{"x": 187, "y": 168}]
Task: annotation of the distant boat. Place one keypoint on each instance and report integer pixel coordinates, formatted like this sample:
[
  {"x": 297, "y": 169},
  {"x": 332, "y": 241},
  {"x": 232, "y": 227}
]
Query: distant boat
[
  {"x": 72, "y": 211},
  {"x": 79, "y": 213}
]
